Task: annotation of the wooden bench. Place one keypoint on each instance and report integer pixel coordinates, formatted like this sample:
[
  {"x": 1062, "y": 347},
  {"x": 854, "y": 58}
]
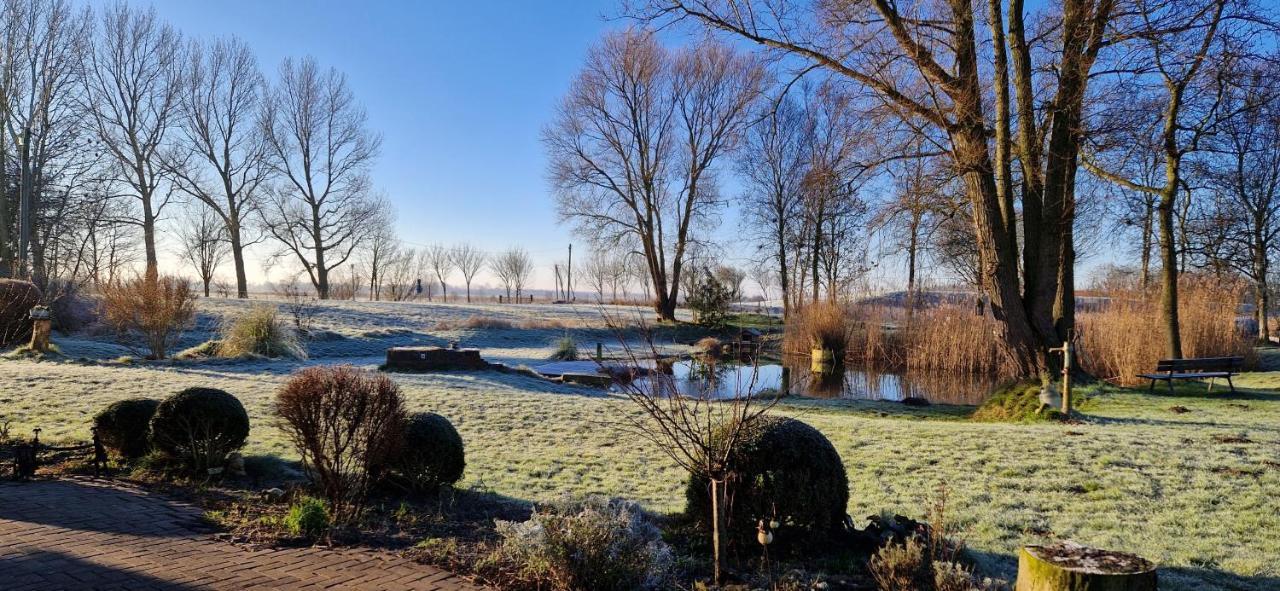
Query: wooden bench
[{"x": 1195, "y": 369}]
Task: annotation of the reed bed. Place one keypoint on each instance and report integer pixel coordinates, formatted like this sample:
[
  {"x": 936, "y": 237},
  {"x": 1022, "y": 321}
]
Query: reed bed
[
  {"x": 1126, "y": 337},
  {"x": 945, "y": 339}
]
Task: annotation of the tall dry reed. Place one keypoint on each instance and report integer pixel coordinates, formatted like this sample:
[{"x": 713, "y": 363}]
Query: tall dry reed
[
  {"x": 1126, "y": 337},
  {"x": 952, "y": 339},
  {"x": 943, "y": 339}
]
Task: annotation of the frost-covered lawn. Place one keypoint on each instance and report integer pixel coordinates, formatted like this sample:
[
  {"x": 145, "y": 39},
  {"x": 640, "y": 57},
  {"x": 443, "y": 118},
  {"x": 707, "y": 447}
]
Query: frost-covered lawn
[{"x": 1198, "y": 491}]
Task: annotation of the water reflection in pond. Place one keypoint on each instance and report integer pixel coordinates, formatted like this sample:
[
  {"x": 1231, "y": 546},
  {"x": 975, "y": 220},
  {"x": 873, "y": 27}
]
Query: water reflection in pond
[{"x": 725, "y": 380}]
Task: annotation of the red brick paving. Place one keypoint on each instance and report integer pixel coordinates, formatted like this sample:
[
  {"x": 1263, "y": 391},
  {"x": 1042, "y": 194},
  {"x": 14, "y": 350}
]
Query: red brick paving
[{"x": 71, "y": 535}]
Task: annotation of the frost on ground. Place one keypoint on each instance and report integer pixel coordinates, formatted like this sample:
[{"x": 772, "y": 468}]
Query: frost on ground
[{"x": 1193, "y": 491}]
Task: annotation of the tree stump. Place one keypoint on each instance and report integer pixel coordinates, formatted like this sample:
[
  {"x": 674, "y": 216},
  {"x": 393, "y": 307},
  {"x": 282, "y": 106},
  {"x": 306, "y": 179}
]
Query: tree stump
[
  {"x": 41, "y": 324},
  {"x": 1072, "y": 567}
]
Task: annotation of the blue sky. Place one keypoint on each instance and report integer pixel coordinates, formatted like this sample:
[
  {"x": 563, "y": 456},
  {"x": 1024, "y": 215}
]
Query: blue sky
[{"x": 458, "y": 90}]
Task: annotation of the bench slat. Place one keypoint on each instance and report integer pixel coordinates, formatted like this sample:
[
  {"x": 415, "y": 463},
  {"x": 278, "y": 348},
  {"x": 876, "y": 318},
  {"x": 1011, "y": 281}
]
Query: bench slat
[{"x": 1185, "y": 376}]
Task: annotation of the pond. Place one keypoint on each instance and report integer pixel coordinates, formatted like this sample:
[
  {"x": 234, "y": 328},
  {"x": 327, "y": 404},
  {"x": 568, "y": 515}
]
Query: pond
[{"x": 726, "y": 380}]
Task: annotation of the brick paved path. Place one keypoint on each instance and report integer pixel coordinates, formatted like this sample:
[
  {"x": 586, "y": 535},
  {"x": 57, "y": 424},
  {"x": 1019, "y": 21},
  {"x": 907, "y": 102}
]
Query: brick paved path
[{"x": 76, "y": 534}]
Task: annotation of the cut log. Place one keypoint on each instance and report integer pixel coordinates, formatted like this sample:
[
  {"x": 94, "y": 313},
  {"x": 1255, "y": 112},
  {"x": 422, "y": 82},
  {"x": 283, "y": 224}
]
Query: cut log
[{"x": 1072, "y": 567}]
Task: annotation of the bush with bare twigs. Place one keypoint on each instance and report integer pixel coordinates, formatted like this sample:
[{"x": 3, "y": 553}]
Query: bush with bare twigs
[
  {"x": 347, "y": 424},
  {"x": 153, "y": 309},
  {"x": 1126, "y": 336},
  {"x": 697, "y": 429},
  {"x": 17, "y": 297}
]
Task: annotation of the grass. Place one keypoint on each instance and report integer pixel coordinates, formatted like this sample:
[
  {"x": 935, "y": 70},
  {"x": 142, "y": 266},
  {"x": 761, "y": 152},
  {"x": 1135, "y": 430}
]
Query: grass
[
  {"x": 1135, "y": 476},
  {"x": 1194, "y": 490}
]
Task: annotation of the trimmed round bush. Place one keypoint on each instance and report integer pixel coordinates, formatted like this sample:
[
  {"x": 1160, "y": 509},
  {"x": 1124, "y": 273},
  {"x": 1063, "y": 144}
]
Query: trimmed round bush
[
  {"x": 124, "y": 426},
  {"x": 431, "y": 455},
  {"x": 783, "y": 470},
  {"x": 200, "y": 426}
]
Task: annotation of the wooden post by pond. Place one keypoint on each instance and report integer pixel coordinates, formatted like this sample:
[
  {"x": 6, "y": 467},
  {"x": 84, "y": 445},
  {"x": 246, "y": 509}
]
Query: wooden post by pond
[
  {"x": 1065, "y": 349},
  {"x": 1066, "y": 377}
]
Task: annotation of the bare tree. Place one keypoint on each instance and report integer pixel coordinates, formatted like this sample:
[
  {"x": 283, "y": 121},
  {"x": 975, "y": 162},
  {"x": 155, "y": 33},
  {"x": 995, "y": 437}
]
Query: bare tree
[
  {"x": 732, "y": 279},
  {"x": 132, "y": 89},
  {"x": 772, "y": 161},
  {"x": 402, "y": 274},
  {"x": 41, "y": 120},
  {"x": 441, "y": 262},
  {"x": 1242, "y": 168},
  {"x": 381, "y": 247},
  {"x": 918, "y": 65},
  {"x": 633, "y": 145},
  {"x": 1179, "y": 77},
  {"x": 596, "y": 274},
  {"x": 913, "y": 215},
  {"x": 203, "y": 242},
  {"x": 513, "y": 268},
  {"x": 225, "y": 161},
  {"x": 319, "y": 145},
  {"x": 470, "y": 261}
]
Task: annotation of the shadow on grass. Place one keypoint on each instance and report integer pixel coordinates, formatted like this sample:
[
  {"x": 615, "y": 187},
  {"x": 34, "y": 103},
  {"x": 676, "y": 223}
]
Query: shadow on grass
[{"x": 1005, "y": 566}]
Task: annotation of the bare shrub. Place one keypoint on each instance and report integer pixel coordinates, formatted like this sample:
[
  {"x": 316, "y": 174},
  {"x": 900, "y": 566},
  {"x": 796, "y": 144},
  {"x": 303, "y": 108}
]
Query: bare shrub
[
  {"x": 17, "y": 297},
  {"x": 544, "y": 324},
  {"x": 696, "y": 429},
  {"x": 347, "y": 424},
  {"x": 153, "y": 309},
  {"x": 595, "y": 543},
  {"x": 1126, "y": 336},
  {"x": 259, "y": 331},
  {"x": 475, "y": 322},
  {"x": 299, "y": 302},
  {"x": 902, "y": 567}
]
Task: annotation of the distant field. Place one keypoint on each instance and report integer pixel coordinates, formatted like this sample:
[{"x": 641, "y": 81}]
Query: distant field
[{"x": 1195, "y": 491}]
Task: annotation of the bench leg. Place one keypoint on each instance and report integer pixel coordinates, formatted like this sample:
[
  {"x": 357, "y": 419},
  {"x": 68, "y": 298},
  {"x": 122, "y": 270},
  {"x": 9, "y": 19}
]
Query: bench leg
[
  {"x": 1170, "y": 380},
  {"x": 1151, "y": 389},
  {"x": 1233, "y": 386},
  {"x": 1210, "y": 385}
]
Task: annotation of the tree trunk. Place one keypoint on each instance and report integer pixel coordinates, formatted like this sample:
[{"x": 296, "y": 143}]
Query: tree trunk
[
  {"x": 1147, "y": 223},
  {"x": 1261, "y": 295},
  {"x": 1060, "y": 568},
  {"x": 237, "y": 257},
  {"x": 149, "y": 236},
  {"x": 715, "y": 530},
  {"x": 911, "y": 270},
  {"x": 1169, "y": 275},
  {"x": 6, "y": 252},
  {"x": 782, "y": 270}
]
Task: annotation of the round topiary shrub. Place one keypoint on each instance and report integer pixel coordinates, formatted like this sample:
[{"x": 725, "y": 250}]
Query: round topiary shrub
[
  {"x": 200, "y": 426},
  {"x": 781, "y": 470},
  {"x": 124, "y": 426},
  {"x": 431, "y": 455}
]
